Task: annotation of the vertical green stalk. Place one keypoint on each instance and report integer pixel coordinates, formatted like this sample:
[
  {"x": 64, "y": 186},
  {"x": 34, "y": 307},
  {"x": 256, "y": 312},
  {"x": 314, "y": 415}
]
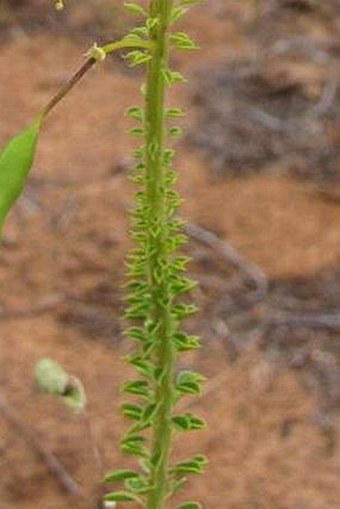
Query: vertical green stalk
[{"x": 160, "y": 288}]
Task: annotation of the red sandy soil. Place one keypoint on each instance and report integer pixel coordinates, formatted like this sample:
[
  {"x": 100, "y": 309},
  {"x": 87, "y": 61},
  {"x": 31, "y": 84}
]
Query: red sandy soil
[{"x": 67, "y": 239}]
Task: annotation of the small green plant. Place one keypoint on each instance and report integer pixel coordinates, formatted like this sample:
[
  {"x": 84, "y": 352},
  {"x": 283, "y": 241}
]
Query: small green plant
[{"x": 156, "y": 280}]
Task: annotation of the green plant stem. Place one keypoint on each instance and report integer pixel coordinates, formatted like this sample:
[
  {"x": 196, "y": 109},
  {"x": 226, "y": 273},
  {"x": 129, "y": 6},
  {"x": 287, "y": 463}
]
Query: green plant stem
[
  {"x": 155, "y": 173},
  {"x": 125, "y": 43}
]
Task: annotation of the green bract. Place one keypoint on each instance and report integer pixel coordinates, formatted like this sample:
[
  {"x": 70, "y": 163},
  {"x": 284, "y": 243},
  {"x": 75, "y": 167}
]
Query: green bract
[
  {"x": 51, "y": 378},
  {"x": 16, "y": 160}
]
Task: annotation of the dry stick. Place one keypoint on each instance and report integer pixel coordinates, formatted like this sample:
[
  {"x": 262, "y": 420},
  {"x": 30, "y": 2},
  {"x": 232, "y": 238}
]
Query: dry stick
[
  {"x": 314, "y": 321},
  {"x": 69, "y": 85},
  {"x": 252, "y": 272},
  {"x": 250, "y": 269},
  {"x": 327, "y": 97},
  {"x": 98, "y": 491},
  {"x": 52, "y": 463},
  {"x": 97, "y": 455}
]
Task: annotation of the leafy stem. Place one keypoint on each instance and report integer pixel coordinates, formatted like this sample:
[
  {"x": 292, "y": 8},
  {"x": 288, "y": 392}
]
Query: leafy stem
[{"x": 160, "y": 287}]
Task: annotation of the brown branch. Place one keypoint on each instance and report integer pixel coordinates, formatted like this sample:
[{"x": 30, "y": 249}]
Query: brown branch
[
  {"x": 52, "y": 463},
  {"x": 251, "y": 271},
  {"x": 88, "y": 64},
  {"x": 327, "y": 97},
  {"x": 311, "y": 320}
]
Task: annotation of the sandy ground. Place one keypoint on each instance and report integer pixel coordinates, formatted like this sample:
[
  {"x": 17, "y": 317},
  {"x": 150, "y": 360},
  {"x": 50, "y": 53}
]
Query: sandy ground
[{"x": 61, "y": 275}]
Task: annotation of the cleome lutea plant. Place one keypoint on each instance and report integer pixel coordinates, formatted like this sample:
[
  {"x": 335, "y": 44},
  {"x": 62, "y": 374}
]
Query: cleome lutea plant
[{"x": 156, "y": 279}]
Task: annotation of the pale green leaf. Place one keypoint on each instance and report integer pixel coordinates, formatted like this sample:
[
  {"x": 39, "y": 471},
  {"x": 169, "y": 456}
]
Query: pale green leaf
[
  {"x": 191, "y": 505},
  {"x": 121, "y": 496},
  {"x": 119, "y": 475},
  {"x": 16, "y": 160}
]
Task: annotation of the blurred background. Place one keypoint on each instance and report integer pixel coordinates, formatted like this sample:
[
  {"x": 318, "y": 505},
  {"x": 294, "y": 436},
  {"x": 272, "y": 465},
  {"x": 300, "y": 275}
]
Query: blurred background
[{"x": 260, "y": 174}]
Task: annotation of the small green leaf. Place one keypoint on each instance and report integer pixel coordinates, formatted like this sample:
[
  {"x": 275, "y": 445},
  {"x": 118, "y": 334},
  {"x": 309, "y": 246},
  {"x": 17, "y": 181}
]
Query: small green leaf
[
  {"x": 177, "y": 13},
  {"x": 183, "y": 41},
  {"x": 148, "y": 414},
  {"x": 16, "y": 160},
  {"x": 191, "y": 505},
  {"x": 132, "y": 411},
  {"x": 176, "y": 484},
  {"x": 157, "y": 459},
  {"x": 193, "y": 466},
  {"x": 138, "y": 387},
  {"x": 135, "y": 112},
  {"x": 189, "y": 388},
  {"x": 190, "y": 2},
  {"x": 136, "y": 333},
  {"x": 185, "y": 342},
  {"x": 134, "y": 445},
  {"x": 151, "y": 23},
  {"x": 168, "y": 158},
  {"x": 188, "y": 422},
  {"x": 119, "y": 475},
  {"x": 138, "y": 153},
  {"x": 137, "y": 312},
  {"x": 140, "y": 31},
  {"x": 137, "y": 57},
  {"x": 175, "y": 131},
  {"x": 121, "y": 496},
  {"x": 180, "y": 284},
  {"x": 174, "y": 113},
  {"x": 190, "y": 376},
  {"x": 181, "y": 311},
  {"x": 135, "y": 8},
  {"x": 172, "y": 77},
  {"x": 137, "y": 132},
  {"x": 142, "y": 366},
  {"x": 138, "y": 484}
]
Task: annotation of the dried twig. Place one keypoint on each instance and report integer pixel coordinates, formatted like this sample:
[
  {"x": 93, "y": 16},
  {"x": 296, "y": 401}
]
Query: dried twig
[
  {"x": 311, "y": 320},
  {"x": 251, "y": 271},
  {"x": 327, "y": 97},
  {"x": 52, "y": 463},
  {"x": 267, "y": 119}
]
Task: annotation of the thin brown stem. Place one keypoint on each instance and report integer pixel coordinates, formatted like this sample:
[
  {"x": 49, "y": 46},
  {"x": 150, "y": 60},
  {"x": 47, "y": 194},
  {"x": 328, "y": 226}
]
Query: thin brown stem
[{"x": 68, "y": 86}]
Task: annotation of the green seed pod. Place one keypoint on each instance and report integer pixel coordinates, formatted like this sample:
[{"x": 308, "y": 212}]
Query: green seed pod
[
  {"x": 15, "y": 163},
  {"x": 51, "y": 377}
]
